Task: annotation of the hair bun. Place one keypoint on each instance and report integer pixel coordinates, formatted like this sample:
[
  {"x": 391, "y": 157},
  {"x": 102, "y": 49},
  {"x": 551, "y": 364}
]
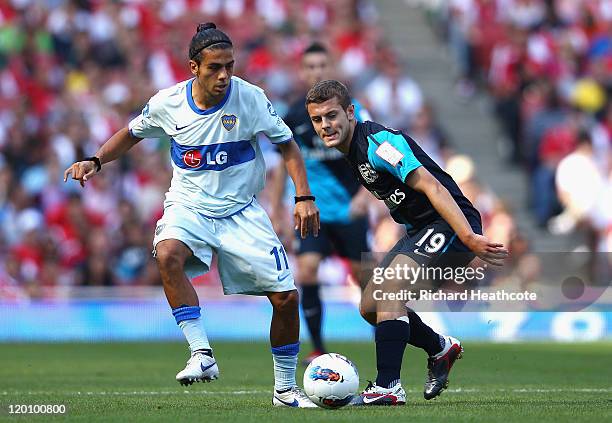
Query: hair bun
[{"x": 205, "y": 26}]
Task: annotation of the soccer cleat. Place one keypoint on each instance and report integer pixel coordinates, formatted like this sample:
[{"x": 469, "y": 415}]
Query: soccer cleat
[
  {"x": 200, "y": 368},
  {"x": 314, "y": 354},
  {"x": 293, "y": 397},
  {"x": 377, "y": 395},
  {"x": 439, "y": 367}
]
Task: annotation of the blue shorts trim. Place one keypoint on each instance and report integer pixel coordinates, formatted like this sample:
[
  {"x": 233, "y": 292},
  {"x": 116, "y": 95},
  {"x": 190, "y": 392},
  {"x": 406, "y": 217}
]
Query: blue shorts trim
[
  {"x": 230, "y": 215},
  {"x": 449, "y": 243}
]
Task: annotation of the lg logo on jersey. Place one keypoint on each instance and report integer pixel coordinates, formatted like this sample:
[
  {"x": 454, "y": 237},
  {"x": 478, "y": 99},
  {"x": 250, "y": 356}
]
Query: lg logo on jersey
[{"x": 193, "y": 158}]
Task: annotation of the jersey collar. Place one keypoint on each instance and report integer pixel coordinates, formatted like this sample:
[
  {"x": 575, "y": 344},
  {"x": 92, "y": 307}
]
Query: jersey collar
[
  {"x": 212, "y": 109},
  {"x": 354, "y": 139}
]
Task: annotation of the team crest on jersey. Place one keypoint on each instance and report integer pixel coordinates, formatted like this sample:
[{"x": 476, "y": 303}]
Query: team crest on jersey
[
  {"x": 229, "y": 121},
  {"x": 369, "y": 174},
  {"x": 192, "y": 158}
]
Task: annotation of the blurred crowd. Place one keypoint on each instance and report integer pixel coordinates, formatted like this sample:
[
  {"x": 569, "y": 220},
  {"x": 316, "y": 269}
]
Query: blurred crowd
[
  {"x": 74, "y": 72},
  {"x": 548, "y": 66}
]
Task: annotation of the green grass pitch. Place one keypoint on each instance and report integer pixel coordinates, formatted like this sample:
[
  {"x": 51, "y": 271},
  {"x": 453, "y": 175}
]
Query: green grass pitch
[{"x": 135, "y": 381}]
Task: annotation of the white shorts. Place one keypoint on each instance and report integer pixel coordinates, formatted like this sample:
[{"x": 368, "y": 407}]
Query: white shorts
[{"x": 250, "y": 257}]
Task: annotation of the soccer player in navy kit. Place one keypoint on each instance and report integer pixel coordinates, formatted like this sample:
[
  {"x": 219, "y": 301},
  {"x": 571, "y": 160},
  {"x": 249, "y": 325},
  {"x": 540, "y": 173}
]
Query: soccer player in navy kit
[
  {"x": 438, "y": 218},
  {"x": 340, "y": 198}
]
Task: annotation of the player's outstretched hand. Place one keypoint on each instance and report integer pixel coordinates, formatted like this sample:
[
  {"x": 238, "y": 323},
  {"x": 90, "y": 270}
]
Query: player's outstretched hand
[
  {"x": 306, "y": 218},
  {"x": 81, "y": 171},
  {"x": 491, "y": 252}
]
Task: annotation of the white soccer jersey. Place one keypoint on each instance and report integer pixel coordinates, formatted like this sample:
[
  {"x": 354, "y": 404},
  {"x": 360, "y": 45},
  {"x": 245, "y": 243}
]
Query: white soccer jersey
[{"x": 218, "y": 165}]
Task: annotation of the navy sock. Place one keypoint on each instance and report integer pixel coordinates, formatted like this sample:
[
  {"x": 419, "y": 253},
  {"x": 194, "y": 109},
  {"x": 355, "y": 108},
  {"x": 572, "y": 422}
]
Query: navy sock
[
  {"x": 391, "y": 339},
  {"x": 313, "y": 313},
  {"x": 424, "y": 337}
]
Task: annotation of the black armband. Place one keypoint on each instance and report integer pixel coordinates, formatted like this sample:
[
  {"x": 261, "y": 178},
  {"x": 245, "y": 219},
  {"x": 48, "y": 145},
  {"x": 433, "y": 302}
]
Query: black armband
[
  {"x": 304, "y": 198},
  {"x": 96, "y": 160}
]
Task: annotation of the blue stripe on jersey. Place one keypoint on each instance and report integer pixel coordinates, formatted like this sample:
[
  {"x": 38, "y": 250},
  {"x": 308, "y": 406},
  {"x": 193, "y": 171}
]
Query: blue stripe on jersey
[
  {"x": 360, "y": 112},
  {"x": 212, "y": 109},
  {"x": 211, "y": 157},
  {"x": 399, "y": 145},
  {"x": 333, "y": 200}
]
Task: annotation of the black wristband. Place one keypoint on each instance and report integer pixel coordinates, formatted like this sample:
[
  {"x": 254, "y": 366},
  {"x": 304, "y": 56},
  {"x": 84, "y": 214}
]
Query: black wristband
[
  {"x": 304, "y": 198},
  {"x": 96, "y": 160}
]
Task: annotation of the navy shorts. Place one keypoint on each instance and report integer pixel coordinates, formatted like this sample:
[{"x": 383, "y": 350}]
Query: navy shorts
[
  {"x": 347, "y": 240},
  {"x": 435, "y": 244}
]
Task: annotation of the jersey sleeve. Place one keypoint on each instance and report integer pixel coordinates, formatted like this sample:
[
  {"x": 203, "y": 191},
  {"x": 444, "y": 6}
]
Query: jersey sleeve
[
  {"x": 391, "y": 153},
  {"x": 268, "y": 121},
  {"x": 146, "y": 125}
]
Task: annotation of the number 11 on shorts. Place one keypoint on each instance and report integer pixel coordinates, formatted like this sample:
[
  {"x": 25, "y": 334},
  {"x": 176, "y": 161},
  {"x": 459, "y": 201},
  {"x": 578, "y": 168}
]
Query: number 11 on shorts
[{"x": 275, "y": 252}]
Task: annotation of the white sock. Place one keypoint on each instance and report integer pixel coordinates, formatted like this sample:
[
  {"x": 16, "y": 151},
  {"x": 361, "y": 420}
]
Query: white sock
[
  {"x": 194, "y": 332},
  {"x": 285, "y": 363},
  {"x": 284, "y": 371}
]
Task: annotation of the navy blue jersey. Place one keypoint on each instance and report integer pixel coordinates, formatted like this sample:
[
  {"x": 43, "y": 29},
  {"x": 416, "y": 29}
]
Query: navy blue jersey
[
  {"x": 330, "y": 177},
  {"x": 382, "y": 158}
]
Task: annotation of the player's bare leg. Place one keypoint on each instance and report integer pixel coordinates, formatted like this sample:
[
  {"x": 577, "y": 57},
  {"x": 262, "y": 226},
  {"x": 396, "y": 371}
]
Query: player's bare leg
[
  {"x": 285, "y": 325},
  {"x": 284, "y": 340},
  {"x": 171, "y": 255},
  {"x": 308, "y": 267}
]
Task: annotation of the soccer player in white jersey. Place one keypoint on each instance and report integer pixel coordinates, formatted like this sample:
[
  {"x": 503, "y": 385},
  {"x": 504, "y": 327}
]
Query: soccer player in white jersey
[{"x": 212, "y": 122}]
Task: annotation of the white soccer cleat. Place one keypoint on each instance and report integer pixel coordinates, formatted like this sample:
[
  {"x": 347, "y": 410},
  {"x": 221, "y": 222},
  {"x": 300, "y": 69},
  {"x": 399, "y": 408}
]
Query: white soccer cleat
[
  {"x": 200, "y": 367},
  {"x": 294, "y": 397},
  {"x": 377, "y": 395}
]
